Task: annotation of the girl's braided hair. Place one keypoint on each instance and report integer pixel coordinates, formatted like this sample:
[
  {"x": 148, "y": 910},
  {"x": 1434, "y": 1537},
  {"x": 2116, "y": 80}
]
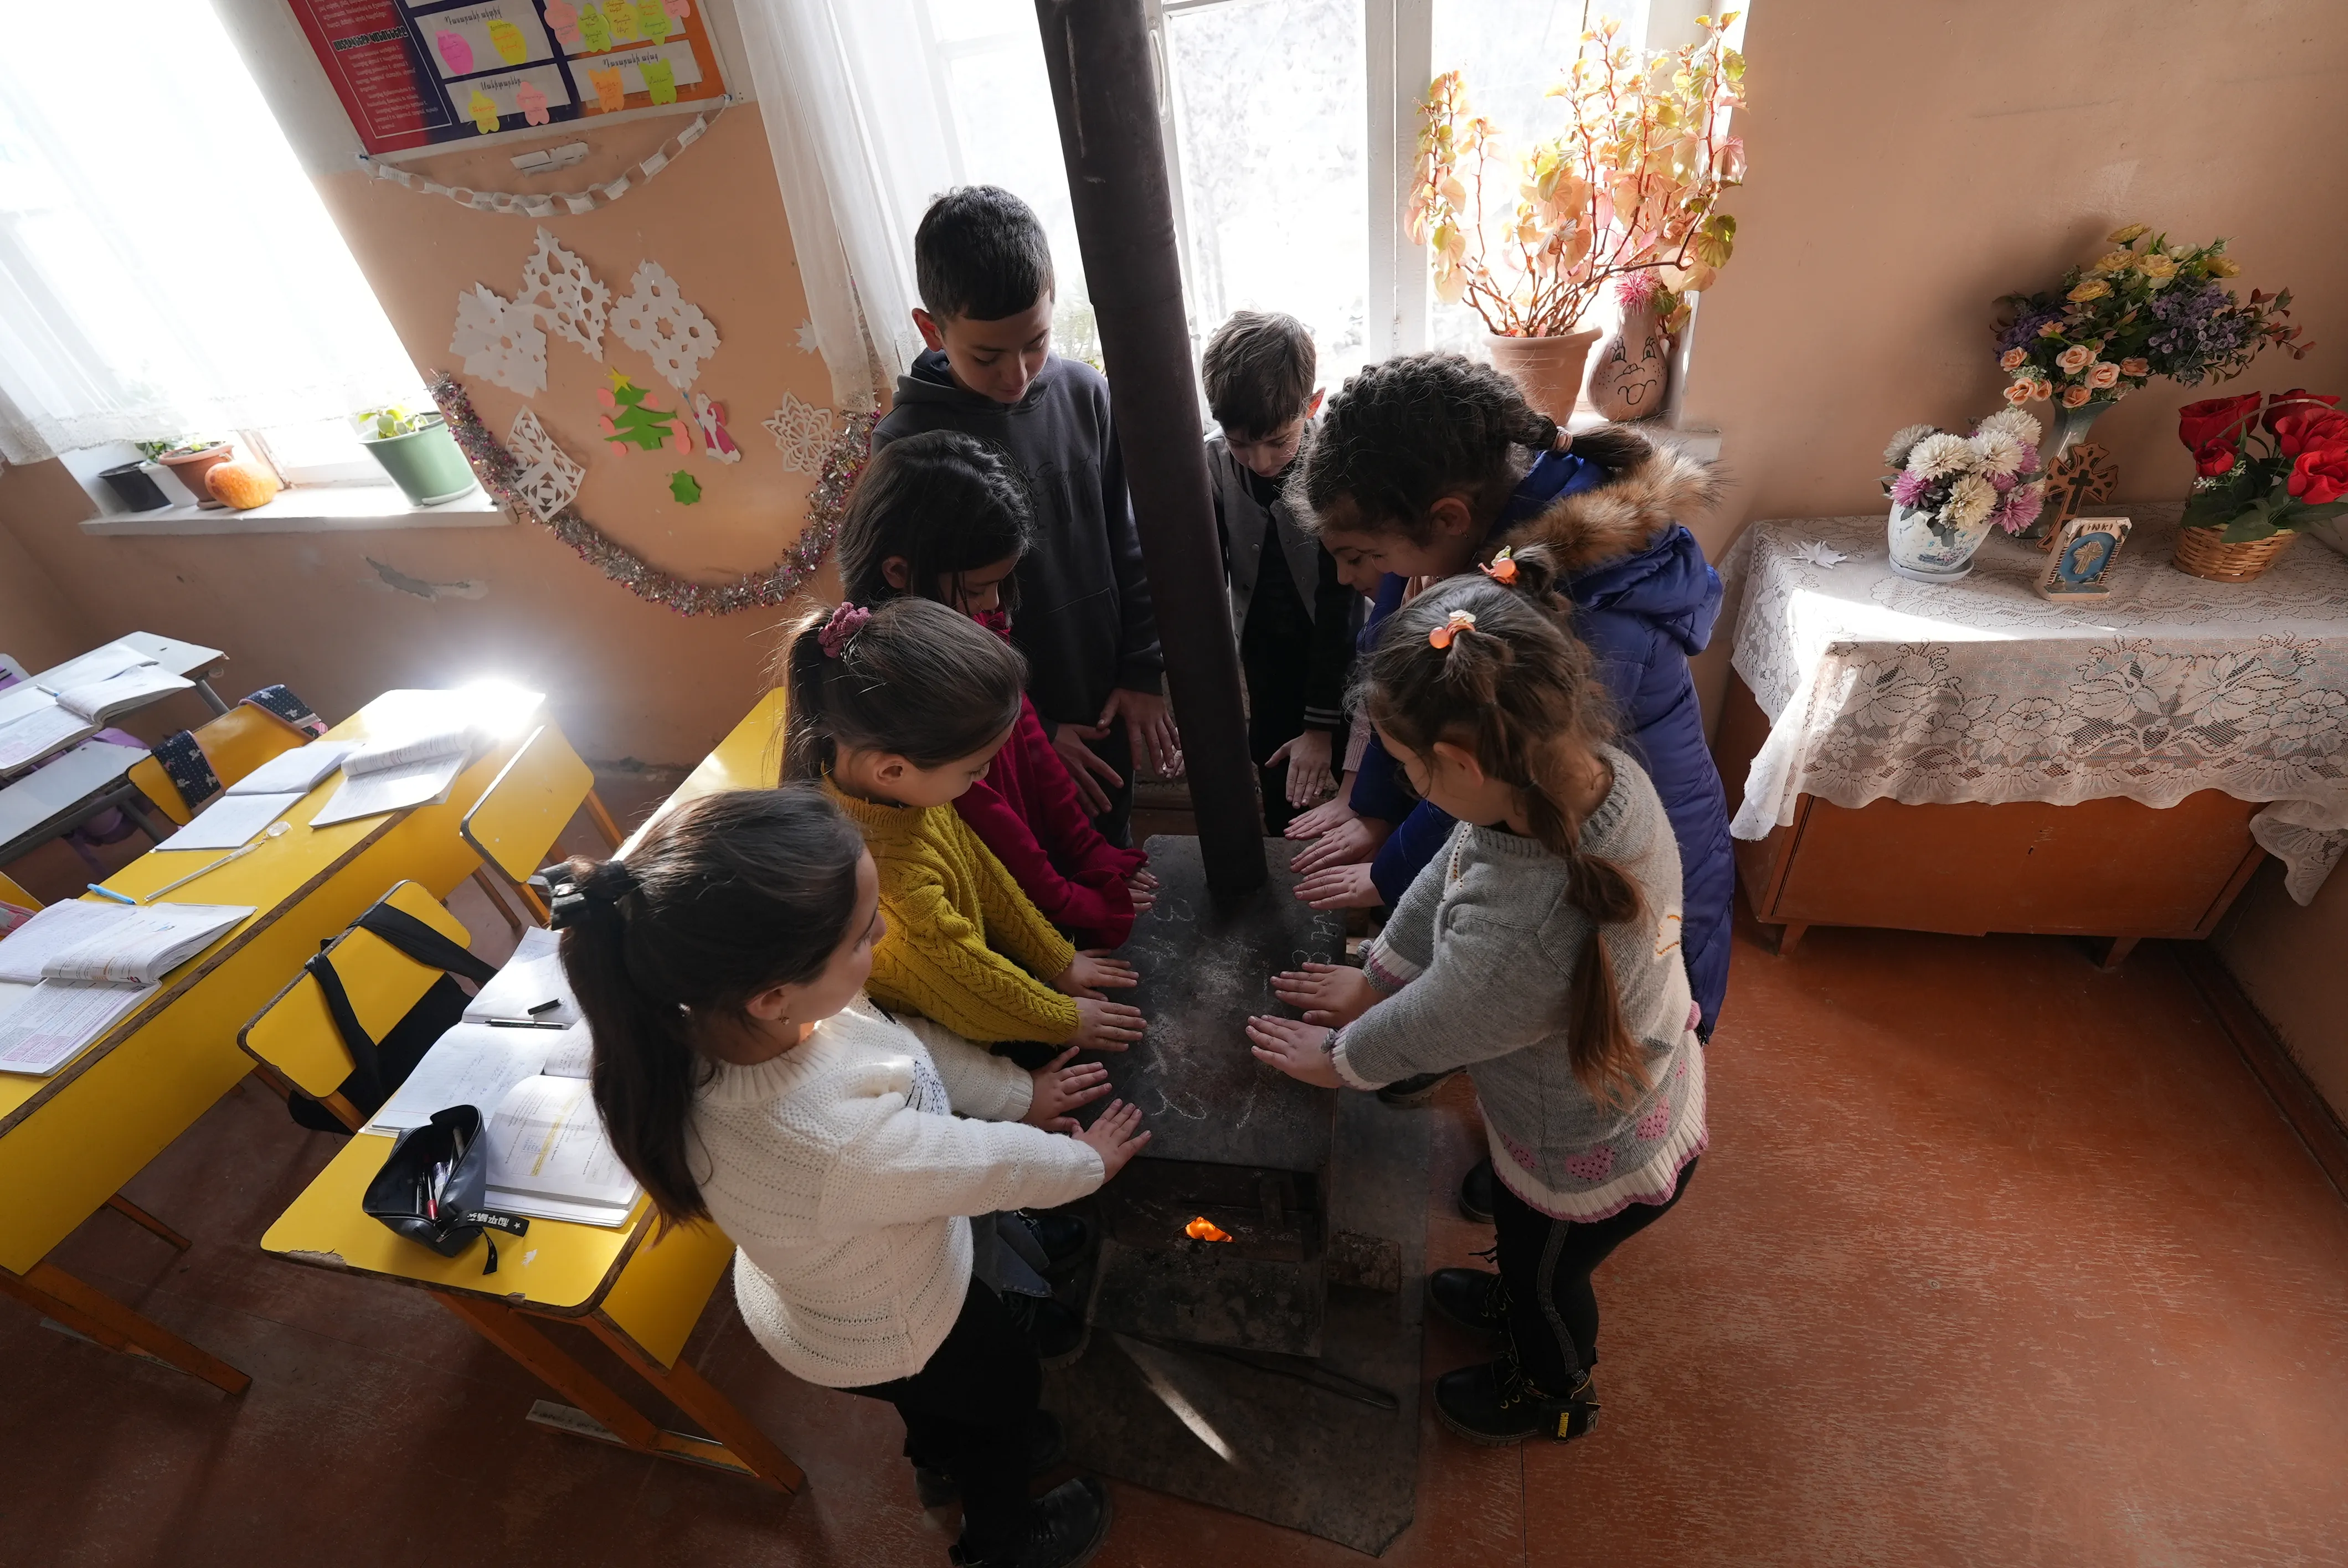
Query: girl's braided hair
[
  {"x": 1519, "y": 692},
  {"x": 910, "y": 676}
]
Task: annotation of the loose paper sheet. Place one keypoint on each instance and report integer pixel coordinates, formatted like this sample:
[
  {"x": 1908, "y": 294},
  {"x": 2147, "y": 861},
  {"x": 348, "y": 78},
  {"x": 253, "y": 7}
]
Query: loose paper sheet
[
  {"x": 298, "y": 770},
  {"x": 531, "y": 979},
  {"x": 229, "y": 822},
  {"x": 473, "y": 1064},
  {"x": 392, "y": 789}
]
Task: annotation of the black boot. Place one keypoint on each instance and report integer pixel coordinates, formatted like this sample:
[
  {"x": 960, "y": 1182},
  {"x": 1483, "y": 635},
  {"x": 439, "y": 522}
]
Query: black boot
[
  {"x": 1476, "y": 1192},
  {"x": 1063, "y": 1236},
  {"x": 1494, "y": 1403},
  {"x": 1065, "y": 1527},
  {"x": 1047, "y": 1446},
  {"x": 1057, "y": 1334},
  {"x": 1415, "y": 1090},
  {"x": 1471, "y": 1297}
]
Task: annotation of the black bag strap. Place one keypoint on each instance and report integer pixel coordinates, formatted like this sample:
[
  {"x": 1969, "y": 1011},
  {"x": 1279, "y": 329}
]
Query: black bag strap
[
  {"x": 425, "y": 945},
  {"x": 366, "y": 1065}
]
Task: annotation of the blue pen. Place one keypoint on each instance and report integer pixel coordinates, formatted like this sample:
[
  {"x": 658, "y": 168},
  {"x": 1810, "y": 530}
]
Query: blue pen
[{"x": 110, "y": 893}]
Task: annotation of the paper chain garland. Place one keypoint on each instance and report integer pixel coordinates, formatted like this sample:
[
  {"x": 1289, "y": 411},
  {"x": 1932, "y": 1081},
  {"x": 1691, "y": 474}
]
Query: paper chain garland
[
  {"x": 500, "y": 475},
  {"x": 545, "y": 204}
]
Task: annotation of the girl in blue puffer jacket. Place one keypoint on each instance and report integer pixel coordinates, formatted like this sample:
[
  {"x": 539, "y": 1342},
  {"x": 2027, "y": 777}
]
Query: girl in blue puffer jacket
[{"x": 1429, "y": 465}]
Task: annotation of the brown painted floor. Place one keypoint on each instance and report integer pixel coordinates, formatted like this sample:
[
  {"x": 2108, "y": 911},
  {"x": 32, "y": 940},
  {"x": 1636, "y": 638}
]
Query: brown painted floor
[{"x": 1994, "y": 1259}]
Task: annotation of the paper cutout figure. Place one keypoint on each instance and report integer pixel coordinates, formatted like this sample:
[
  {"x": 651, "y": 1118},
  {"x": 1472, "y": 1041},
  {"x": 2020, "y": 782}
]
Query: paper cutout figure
[
  {"x": 455, "y": 50},
  {"x": 630, "y": 421},
  {"x": 532, "y": 102},
  {"x": 484, "y": 111},
  {"x": 716, "y": 442},
  {"x": 685, "y": 487},
  {"x": 660, "y": 80},
  {"x": 594, "y": 31},
  {"x": 651, "y": 20},
  {"x": 499, "y": 341},
  {"x": 655, "y": 319},
  {"x": 609, "y": 94},
  {"x": 679, "y": 10},
  {"x": 563, "y": 17},
  {"x": 808, "y": 341},
  {"x": 507, "y": 40},
  {"x": 548, "y": 476},
  {"x": 621, "y": 16},
  {"x": 562, "y": 294},
  {"x": 801, "y": 433}
]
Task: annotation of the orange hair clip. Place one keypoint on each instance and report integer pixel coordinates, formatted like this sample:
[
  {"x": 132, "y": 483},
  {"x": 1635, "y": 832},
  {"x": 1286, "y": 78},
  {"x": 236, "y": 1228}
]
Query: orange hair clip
[
  {"x": 1443, "y": 635},
  {"x": 1503, "y": 569}
]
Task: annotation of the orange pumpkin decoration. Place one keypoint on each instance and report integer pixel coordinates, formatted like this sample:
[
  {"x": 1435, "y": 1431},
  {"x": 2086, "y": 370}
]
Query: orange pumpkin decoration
[{"x": 244, "y": 485}]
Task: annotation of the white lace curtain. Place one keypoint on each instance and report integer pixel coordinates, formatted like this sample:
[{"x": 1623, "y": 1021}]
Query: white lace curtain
[{"x": 165, "y": 267}]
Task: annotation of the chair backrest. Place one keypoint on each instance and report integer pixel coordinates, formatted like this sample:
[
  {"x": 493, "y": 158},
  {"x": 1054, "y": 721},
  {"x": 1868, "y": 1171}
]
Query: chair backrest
[
  {"x": 514, "y": 824},
  {"x": 293, "y": 1035},
  {"x": 11, "y": 892},
  {"x": 234, "y": 744}
]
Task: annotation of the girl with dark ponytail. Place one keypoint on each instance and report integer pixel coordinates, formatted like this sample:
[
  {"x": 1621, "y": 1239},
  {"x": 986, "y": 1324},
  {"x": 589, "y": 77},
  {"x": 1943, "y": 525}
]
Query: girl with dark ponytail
[
  {"x": 1539, "y": 952},
  {"x": 743, "y": 1077}
]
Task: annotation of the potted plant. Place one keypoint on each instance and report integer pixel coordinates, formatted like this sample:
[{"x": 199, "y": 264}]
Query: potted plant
[
  {"x": 1629, "y": 187},
  {"x": 418, "y": 452},
  {"x": 2265, "y": 468},
  {"x": 190, "y": 459},
  {"x": 1951, "y": 490},
  {"x": 2144, "y": 309}
]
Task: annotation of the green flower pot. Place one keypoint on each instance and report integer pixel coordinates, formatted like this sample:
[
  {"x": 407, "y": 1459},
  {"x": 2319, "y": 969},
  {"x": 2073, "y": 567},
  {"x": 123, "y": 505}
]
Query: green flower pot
[{"x": 426, "y": 464}]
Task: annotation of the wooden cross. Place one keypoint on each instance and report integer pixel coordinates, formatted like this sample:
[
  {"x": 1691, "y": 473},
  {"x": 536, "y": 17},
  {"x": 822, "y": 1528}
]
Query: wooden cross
[{"x": 2084, "y": 474}]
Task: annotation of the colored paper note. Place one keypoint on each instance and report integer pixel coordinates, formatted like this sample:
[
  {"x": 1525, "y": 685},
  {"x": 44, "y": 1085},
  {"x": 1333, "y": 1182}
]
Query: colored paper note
[
  {"x": 484, "y": 112},
  {"x": 653, "y": 19},
  {"x": 621, "y": 16},
  {"x": 660, "y": 80},
  {"x": 685, "y": 487},
  {"x": 507, "y": 40},
  {"x": 532, "y": 102},
  {"x": 594, "y": 31},
  {"x": 679, "y": 10},
  {"x": 455, "y": 50},
  {"x": 611, "y": 93},
  {"x": 563, "y": 17}
]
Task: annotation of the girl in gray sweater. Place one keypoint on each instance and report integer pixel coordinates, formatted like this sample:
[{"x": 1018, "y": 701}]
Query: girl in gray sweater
[{"x": 1540, "y": 951}]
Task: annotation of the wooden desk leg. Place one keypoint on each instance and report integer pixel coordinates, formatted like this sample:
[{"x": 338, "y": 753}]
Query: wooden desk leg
[
  {"x": 602, "y": 818},
  {"x": 2117, "y": 954},
  {"x": 86, "y": 1310},
  {"x": 692, "y": 1394},
  {"x": 145, "y": 1221},
  {"x": 488, "y": 884},
  {"x": 507, "y": 1329},
  {"x": 1789, "y": 937}
]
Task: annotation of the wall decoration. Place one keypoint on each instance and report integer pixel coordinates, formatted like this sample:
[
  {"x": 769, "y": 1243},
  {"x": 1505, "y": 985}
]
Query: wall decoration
[
  {"x": 545, "y": 204},
  {"x": 801, "y": 433},
  {"x": 843, "y": 462},
  {"x": 630, "y": 421},
  {"x": 807, "y": 343},
  {"x": 685, "y": 487},
  {"x": 498, "y": 341},
  {"x": 561, "y": 292},
  {"x": 2084, "y": 550},
  {"x": 459, "y": 73},
  {"x": 716, "y": 442},
  {"x": 655, "y": 318},
  {"x": 549, "y": 478}
]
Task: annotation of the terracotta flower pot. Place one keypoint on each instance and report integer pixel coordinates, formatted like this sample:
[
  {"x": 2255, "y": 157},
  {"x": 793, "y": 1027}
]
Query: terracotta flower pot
[
  {"x": 1548, "y": 370},
  {"x": 191, "y": 468},
  {"x": 1634, "y": 370},
  {"x": 2203, "y": 553}
]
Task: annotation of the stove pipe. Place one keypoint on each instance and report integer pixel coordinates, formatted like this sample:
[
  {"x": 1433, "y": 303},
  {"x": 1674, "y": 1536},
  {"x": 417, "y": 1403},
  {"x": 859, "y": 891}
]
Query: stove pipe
[{"x": 1098, "y": 53}]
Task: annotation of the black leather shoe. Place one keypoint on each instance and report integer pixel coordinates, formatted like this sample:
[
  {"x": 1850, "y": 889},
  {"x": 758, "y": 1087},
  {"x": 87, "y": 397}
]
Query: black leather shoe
[
  {"x": 1065, "y": 1527},
  {"x": 1495, "y": 1404},
  {"x": 1063, "y": 1238},
  {"x": 1415, "y": 1090},
  {"x": 1057, "y": 1334},
  {"x": 1047, "y": 1446},
  {"x": 1476, "y": 1192},
  {"x": 1470, "y": 1298}
]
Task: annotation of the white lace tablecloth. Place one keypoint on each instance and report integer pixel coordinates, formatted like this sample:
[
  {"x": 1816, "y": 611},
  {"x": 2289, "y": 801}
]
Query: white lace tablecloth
[{"x": 1877, "y": 687}]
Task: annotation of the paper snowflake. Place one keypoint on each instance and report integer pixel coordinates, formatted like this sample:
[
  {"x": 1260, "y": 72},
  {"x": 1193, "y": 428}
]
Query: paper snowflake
[
  {"x": 717, "y": 441},
  {"x": 801, "y": 433},
  {"x": 498, "y": 341},
  {"x": 808, "y": 341},
  {"x": 1818, "y": 554},
  {"x": 560, "y": 291},
  {"x": 685, "y": 487},
  {"x": 549, "y": 478},
  {"x": 655, "y": 319}
]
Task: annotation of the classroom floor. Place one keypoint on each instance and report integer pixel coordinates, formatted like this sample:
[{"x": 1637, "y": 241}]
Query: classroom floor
[{"x": 1994, "y": 1259}]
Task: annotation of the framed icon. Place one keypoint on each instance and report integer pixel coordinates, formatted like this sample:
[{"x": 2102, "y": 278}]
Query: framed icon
[{"x": 2079, "y": 565}]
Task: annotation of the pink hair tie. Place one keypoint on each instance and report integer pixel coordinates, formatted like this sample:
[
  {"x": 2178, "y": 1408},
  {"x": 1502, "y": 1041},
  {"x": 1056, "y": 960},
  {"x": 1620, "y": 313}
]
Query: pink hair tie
[{"x": 841, "y": 630}]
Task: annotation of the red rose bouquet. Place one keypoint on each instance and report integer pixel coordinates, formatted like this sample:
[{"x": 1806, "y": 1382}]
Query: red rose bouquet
[{"x": 2266, "y": 466}]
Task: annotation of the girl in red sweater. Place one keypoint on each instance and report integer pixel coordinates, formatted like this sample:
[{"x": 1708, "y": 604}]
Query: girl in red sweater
[{"x": 942, "y": 516}]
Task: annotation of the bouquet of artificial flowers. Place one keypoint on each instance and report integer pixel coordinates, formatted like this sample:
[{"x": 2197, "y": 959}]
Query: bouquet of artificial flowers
[
  {"x": 1954, "y": 482},
  {"x": 2145, "y": 309},
  {"x": 2266, "y": 466}
]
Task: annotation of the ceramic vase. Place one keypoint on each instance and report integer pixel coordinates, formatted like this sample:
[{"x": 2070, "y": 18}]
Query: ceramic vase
[
  {"x": 1547, "y": 370},
  {"x": 1924, "y": 556},
  {"x": 1634, "y": 370}
]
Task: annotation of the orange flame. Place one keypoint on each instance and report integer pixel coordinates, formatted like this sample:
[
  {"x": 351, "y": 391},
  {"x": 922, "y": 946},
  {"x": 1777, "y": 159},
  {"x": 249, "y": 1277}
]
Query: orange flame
[{"x": 1204, "y": 1229}]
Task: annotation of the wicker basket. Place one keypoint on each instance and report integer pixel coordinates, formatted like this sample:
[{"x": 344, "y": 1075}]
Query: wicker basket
[{"x": 2201, "y": 552}]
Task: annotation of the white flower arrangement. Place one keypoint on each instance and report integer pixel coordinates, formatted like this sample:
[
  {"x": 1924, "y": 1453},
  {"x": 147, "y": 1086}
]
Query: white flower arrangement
[{"x": 1954, "y": 482}]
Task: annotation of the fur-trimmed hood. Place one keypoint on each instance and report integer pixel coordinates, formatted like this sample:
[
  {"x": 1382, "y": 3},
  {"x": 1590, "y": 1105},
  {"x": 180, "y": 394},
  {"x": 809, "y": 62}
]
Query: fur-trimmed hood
[{"x": 1649, "y": 488}]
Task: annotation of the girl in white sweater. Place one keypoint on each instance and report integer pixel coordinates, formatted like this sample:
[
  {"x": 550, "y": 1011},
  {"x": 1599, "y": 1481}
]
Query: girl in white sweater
[{"x": 744, "y": 1077}]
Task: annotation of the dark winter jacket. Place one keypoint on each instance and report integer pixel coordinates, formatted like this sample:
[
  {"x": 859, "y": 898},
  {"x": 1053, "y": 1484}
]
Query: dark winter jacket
[{"x": 1085, "y": 620}]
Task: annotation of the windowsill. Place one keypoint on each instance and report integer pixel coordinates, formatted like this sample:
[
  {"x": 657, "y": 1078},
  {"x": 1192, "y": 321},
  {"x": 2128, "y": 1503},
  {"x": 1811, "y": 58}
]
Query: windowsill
[
  {"x": 310, "y": 509},
  {"x": 1701, "y": 441}
]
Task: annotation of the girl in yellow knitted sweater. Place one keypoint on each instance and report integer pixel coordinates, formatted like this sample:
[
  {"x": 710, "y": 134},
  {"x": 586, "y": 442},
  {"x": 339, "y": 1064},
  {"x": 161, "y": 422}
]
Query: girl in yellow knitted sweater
[{"x": 898, "y": 709}]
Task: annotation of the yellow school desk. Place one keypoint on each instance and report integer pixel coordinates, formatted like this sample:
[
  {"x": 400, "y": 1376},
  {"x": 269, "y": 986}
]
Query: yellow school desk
[
  {"x": 749, "y": 757},
  {"x": 639, "y": 1295},
  {"x": 69, "y": 1141}
]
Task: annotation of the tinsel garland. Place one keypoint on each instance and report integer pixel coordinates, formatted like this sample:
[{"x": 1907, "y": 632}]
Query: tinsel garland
[{"x": 843, "y": 461}]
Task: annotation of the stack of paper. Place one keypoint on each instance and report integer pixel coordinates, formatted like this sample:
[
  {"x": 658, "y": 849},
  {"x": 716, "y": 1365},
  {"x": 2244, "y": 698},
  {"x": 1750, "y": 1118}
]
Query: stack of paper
[
  {"x": 549, "y": 1156},
  {"x": 531, "y": 987},
  {"x": 297, "y": 771},
  {"x": 71, "y": 970},
  {"x": 229, "y": 822},
  {"x": 398, "y": 773},
  {"x": 473, "y": 1064}
]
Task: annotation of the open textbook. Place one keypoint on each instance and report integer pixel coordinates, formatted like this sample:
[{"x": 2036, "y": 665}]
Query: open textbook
[
  {"x": 411, "y": 769},
  {"x": 71, "y": 970},
  {"x": 77, "y": 699}
]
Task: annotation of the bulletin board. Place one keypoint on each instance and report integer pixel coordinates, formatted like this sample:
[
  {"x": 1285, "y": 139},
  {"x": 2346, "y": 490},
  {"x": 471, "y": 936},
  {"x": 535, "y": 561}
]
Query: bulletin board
[{"x": 431, "y": 73}]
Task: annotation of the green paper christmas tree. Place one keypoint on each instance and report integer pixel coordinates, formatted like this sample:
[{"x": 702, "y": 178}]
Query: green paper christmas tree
[
  {"x": 685, "y": 487},
  {"x": 630, "y": 421}
]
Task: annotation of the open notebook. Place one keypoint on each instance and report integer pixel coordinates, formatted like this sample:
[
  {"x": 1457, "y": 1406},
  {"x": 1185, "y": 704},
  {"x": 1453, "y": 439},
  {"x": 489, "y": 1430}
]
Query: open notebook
[
  {"x": 78, "y": 701},
  {"x": 71, "y": 970},
  {"x": 400, "y": 772}
]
